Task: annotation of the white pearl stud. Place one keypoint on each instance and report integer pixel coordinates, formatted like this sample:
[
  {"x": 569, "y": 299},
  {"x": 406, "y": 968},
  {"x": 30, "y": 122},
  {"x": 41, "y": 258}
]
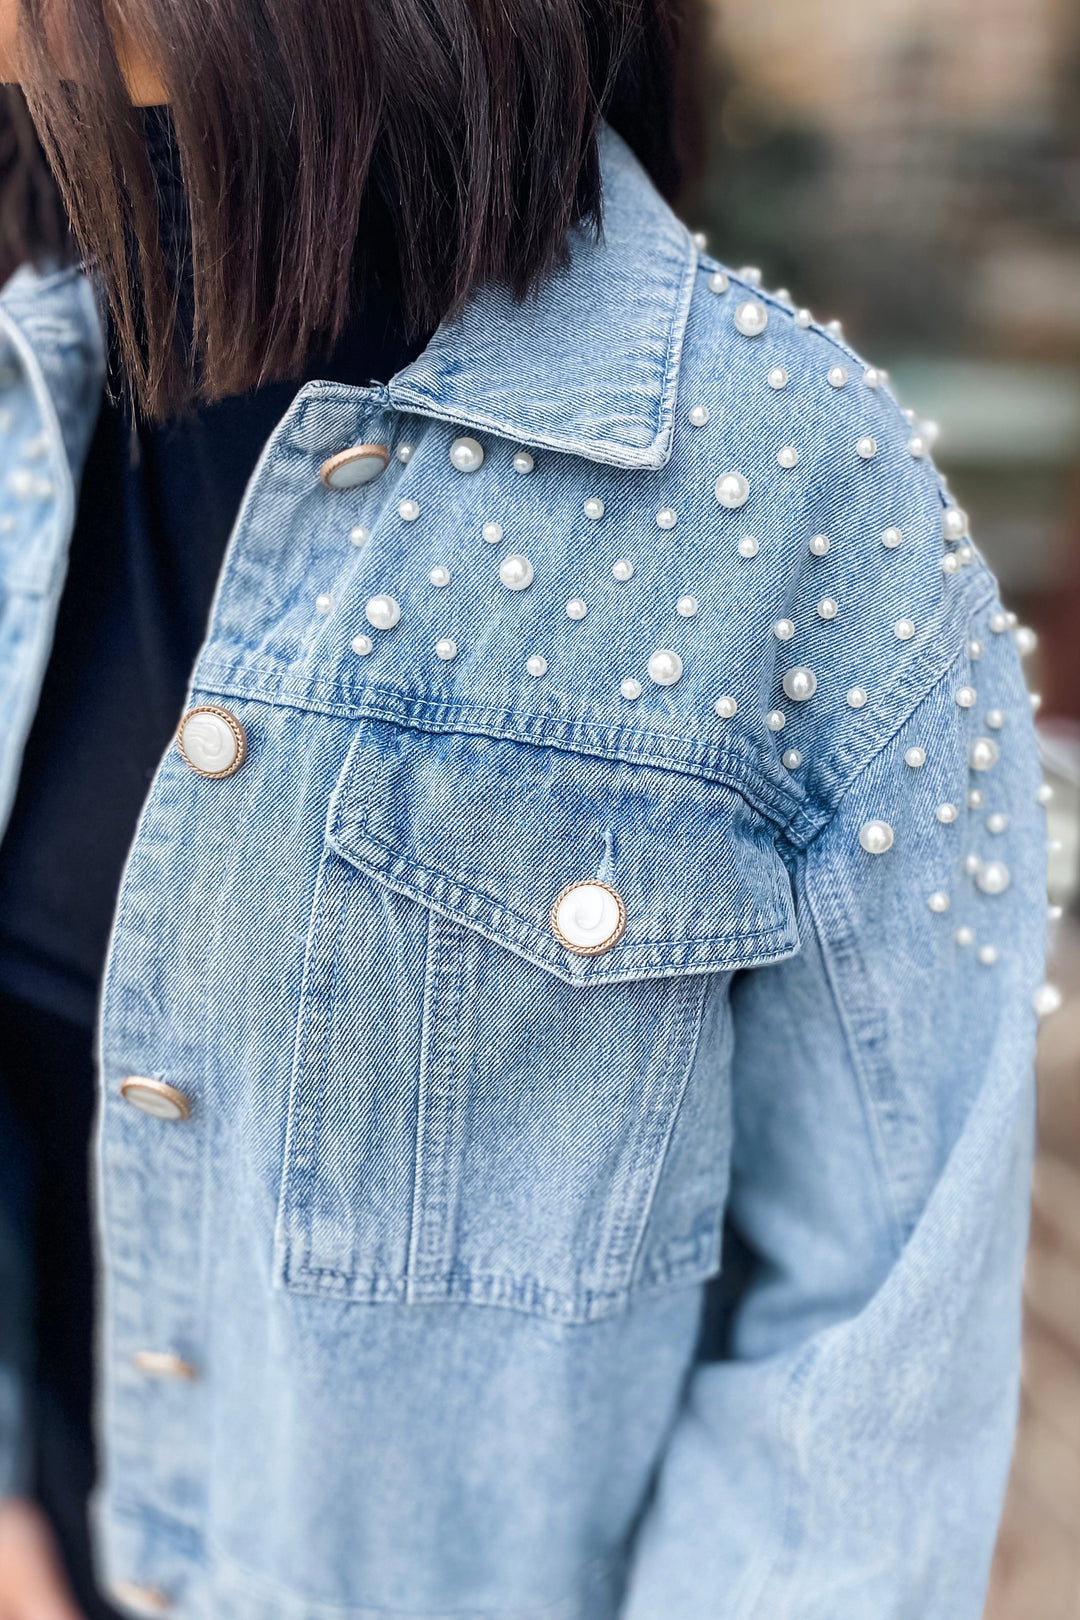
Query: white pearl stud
[
  {"x": 492, "y": 532},
  {"x": 988, "y": 955},
  {"x": 726, "y": 707},
  {"x": 903, "y": 629},
  {"x": 954, "y": 523},
  {"x": 967, "y": 697},
  {"x": 946, "y": 814},
  {"x": 732, "y": 490},
  {"x": 857, "y": 698},
  {"x": 915, "y": 757},
  {"x": 536, "y": 665},
  {"x": 324, "y": 602},
  {"x": 751, "y": 317},
  {"x": 827, "y": 608},
  {"x": 876, "y": 837},
  {"x": 408, "y": 511},
  {"x": 791, "y": 759},
  {"x": 783, "y": 629},
  {"x": 800, "y": 683},
  {"x": 361, "y": 645},
  {"x": 698, "y": 415},
  {"x": 718, "y": 282},
  {"x": 891, "y": 538},
  {"x": 665, "y": 667},
  {"x": 630, "y": 689},
  {"x": 576, "y": 608},
  {"x": 776, "y": 720},
  {"x": 359, "y": 535},
  {"x": 440, "y": 576},
  {"x": 777, "y": 377},
  {"x": 594, "y": 508},
  {"x": 837, "y": 376},
  {"x": 993, "y": 877},
  {"x": 516, "y": 572},
  {"x": 622, "y": 569},
  {"x": 872, "y": 377},
  {"x": 523, "y": 462},
  {"x": 666, "y": 518},
  {"x": 382, "y": 612},
  {"x": 964, "y": 935},
  {"x": 787, "y": 456},
  {"x": 938, "y": 901},
  {"x": 748, "y": 546},
  {"x": 404, "y": 453},
  {"x": 819, "y": 545},
  {"x": 445, "y": 649},
  {"x": 866, "y": 447},
  {"x": 995, "y": 719},
  {"x": 467, "y": 455},
  {"x": 686, "y": 607}
]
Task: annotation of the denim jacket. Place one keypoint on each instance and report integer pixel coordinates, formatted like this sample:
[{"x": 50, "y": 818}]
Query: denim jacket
[{"x": 611, "y": 815}]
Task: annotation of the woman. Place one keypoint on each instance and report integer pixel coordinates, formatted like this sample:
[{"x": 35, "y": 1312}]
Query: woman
[{"x": 604, "y": 814}]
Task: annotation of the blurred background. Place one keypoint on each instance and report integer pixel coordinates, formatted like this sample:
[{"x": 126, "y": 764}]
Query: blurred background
[{"x": 913, "y": 166}]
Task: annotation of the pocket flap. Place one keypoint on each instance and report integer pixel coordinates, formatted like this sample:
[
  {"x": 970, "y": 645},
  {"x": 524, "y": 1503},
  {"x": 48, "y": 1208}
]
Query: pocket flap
[{"x": 490, "y": 832}]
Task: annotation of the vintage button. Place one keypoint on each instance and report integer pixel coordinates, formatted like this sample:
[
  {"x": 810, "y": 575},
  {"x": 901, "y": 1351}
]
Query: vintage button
[
  {"x": 141, "y": 1599},
  {"x": 155, "y": 1097},
  {"x": 588, "y": 917},
  {"x": 163, "y": 1364},
  {"x": 357, "y": 465},
  {"x": 212, "y": 741}
]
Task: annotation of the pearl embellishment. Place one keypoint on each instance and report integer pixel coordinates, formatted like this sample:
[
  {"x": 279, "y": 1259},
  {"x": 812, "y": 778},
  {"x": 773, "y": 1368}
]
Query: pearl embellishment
[
  {"x": 594, "y": 508},
  {"x": 975, "y": 650},
  {"x": 800, "y": 683},
  {"x": 988, "y": 955},
  {"x": 666, "y": 518},
  {"x": 382, "y": 612},
  {"x": 995, "y": 719},
  {"x": 404, "y": 453},
  {"x": 967, "y": 697},
  {"x": 324, "y": 602},
  {"x": 993, "y": 877},
  {"x": 876, "y": 837},
  {"x": 440, "y": 576},
  {"x": 903, "y": 629},
  {"x": 915, "y": 757},
  {"x": 837, "y": 376},
  {"x": 964, "y": 935},
  {"x": 1026, "y": 640},
  {"x": 718, "y": 282},
  {"x": 726, "y": 707},
  {"x": 891, "y": 538},
  {"x": 938, "y": 901},
  {"x": 732, "y": 490},
  {"x": 857, "y": 698},
  {"x": 686, "y": 607},
  {"x": 791, "y": 759},
  {"x": 872, "y": 377},
  {"x": 999, "y": 621},
  {"x": 408, "y": 511},
  {"x": 776, "y": 720},
  {"x": 777, "y": 377},
  {"x": 827, "y": 608},
  {"x": 788, "y": 456},
  {"x": 467, "y": 455},
  {"x": 698, "y": 415},
  {"x": 361, "y": 645},
  {"x": 783, "y": 629},
  {"x": 492, "y": 533},
  {"x": 751, "y": 317},
  {"x": 623, "y": 569},
  {"x": 819, "y": 545},
  {"x": 946, "y": 813},
  {"x": 1046, "y": 999},
  {"x": 516, "y": 572},
  {"x": 997, "y": 823},
  {"x": 630, "y": 688},
  {"x": 536, "y": 665},
  {"x": 665, "y": 667},
  {"x": 954, "y": 523},
  {"x": 748, "y": 546},
  {"x": 575, "y": 608},
  {"x": 445, "y": 649},
  {"x": 866, "y": 447},
  {"x": 359, "y": 535},
  {"x": 523, "y": 462},
  {"x": 803, "y": 318}
]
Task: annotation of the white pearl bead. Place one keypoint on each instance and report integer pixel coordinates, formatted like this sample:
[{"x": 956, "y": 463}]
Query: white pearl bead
[
  {"x": 837, "y": 376},
  {"x": 918, "y": 447},
  {"x": 988, "y": 955},
  {"x": 819, "y": 545},
  {"x": 891, "y": 538},
  {"x": 964, "y": 935},
  {"x": 665, "y": 667},
  {"x": 903, "y": 629},
  {"x": 324, "y": 602},
  {"x": 440, "y": 576},
  {"x": 993, "y": 877},
  {"x": 404, "y": 453},
  {"x": 946, "y": 813},
  {"x": 359, "y": 535},
  {"x": 751, "y": 275},
  {"x": 1011, "y": 617},
  {"x": 950, "y": 563},
  {"x": 575, "y": 608},
  {"x": 408, "y": 510},
  {"x": 725, "y": 707},
  {"x": 835, "y": 327},
  {"x": 995, "y": 719},
  {"x": 777, "y": 377},
  {"x": 687, "y": 606},
  {"x": 748, "y": 546},
  {"x": 732, "y": 490},
  {"x": 788, "y": 456},
  {"x": 983, "y": 754},
  {"x": 967, "y": 697},
  {"x": 382, "y": 612},
  {"x": 536, "y": 665},
  {"x": 775, "y": 720},
  {"x": 800, "y": 683},
  {"x": 782, "y": 295},
  {"x": 965, "y": 554},
  {"x": 467, "y": 454},
  {"x": 698, "y": 415},
  {"x": 975, "y": 650},
  {"x": 1055, "y": 913},
  {"x": 516, "y": 572},
  {"x": 523, "y": 462},
  {"x": 1026, "y": 640},
  {"x": 1046, "y": 1000},
  {"x": 872, "y": 377},
  {"x": 997, "y": 823},
  {"x": 361, "y": 645},
  {"x": 594, "y": 508},
  {"x": 492, "y": 532},
  {"x": 876, "y": 837},
  {"x": 718, "y": 282},
  {"x": 700, "y": 240},
  {"x": 938, "y": 901},
  {"x": 975, "y": 799},
  {"x": 915, "y": 757},
  {"x": 783, "y": 629},
  {"x": 623, "y": 569},
  {"x": 791, "y": 758},
  {"x": 999, "y": 621},
  {"x": 1044, "y": 793},
  {"x": 630, "y": 688},
  {"x": 445, "y": 649},
  {"x": 954, "y": 523},
  {"x": 857, "y": 698},
  {"x": 666, "y": 518},
  {"x": 751, "y": 317},
  {"x": 866, "y": 447},
  {"x": 803, "y": 318},
  {"x": 827, "y": 608}
]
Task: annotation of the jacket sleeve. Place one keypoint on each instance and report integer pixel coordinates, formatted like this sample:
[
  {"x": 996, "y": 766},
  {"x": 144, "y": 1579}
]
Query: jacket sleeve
[{"x": 847, "y": 1460}]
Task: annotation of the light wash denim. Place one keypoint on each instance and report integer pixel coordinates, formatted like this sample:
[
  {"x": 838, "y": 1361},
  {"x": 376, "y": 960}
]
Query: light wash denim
[{"x": 437, "y": 1234}]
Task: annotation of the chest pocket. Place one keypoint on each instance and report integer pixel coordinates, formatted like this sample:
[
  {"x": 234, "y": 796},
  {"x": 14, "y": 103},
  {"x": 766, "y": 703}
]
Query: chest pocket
[{"x": 478, "y": 1113}]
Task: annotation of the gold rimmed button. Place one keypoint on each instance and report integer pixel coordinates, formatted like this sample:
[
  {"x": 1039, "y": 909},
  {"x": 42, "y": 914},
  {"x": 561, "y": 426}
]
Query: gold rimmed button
[
  {"x": 140, "y": 1599},
  {"x": 164, "y": 1364},
  {"x": 588, "y": 917},
  {"x": 211, "y": 741},
  {"x": 357, "y": 465},
  {"x": 155, "y": 1097}
]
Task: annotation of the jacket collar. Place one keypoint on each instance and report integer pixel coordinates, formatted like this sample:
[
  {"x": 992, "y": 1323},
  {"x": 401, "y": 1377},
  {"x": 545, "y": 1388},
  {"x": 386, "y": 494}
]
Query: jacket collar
[{"x": 589, "y": 363}]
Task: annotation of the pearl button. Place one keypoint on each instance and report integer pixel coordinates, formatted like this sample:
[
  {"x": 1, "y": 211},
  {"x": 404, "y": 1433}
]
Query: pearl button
[
  {"x": 523, "y": 462},
  {"x": 818, "y": 545},
  {"x": 938, "y": 901},
  {"x": 777, "y": 377},
  {"x": 787, "y": 456},
  {"x": 357, "y": 465},
  {"x": 630, "y": 688},
  {"x": 993, "y": 877},
  {"x": 946, "y": 813},
  {"x": 445, "y": 649},
  {"x": 698, "y": 415},
  {"x": 954, "y": 523},
  {"x": 866, "y": 447},
  {"x": 665, "y": 667},
  {"x": 748, "y": 546},
  {"x": 623, "y": 569},
  {"x": 783, "y": 629},
  {"x": 155, "y": 1097},
  {"x": 686, "y": 607},
  {"x": 876, "y": 837},
  {"x": 751, "y": 317},
  {"x": 408, "y": 511},
  {"x": 382, "y": 612},
  {"x": 732, "y": 490},
  {"x": 726, "y": 707},
  {"x": 857, "y": 698},
  {"x": 516, "y": 572},
  {"x": 837, "y": 376},
  {"x": 492, "y": 533},
  {"x": 536, "y": 665},
  {"x": 588, "y": 918},
  {"x": 360, "y": 534},
  {"x": 212, "y": 741},
  {"x": 440, "y": 576},
  {"x": 163, "y": 1364},
  {"x": 891, "y": 538},
  {"x": 800, "y": 683},
  {"x": 594, "y": 508},
  {"x": 467, "y": 454},
  {"x": 576, "y": 608},
  {"x": 361, "y": 645},
  {"x": 665, "y": 518},
  {"x": 718, "y": 282},
  {"x": 915, "y": 757}
]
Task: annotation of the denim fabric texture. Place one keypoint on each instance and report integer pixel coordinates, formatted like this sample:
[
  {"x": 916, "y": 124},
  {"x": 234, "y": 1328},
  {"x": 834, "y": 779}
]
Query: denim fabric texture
[{"x": 436, "y": 1235}]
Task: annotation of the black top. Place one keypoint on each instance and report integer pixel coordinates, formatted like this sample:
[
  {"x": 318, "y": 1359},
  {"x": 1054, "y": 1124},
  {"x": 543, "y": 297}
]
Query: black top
[{"x": 155, "y": 511}]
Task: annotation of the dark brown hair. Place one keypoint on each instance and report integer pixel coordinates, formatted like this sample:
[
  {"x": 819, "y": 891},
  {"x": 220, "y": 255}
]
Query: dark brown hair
[{"x": 432, "y": 144}]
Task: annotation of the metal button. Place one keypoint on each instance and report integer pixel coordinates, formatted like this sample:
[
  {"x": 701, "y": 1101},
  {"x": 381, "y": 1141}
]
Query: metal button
[
  {"x": 140, "y": 1599},
  {"x": 163, "y": 1364},
  {"x": 212, "y": 741},
  {"x": 155, "y": 1097},
  {"x": 588, "y": 917},
  {"x": 357, "y": 465}
]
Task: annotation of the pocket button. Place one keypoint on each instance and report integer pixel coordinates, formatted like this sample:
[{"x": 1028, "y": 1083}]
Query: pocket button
[
  {"x": 588, "y": 917},
  {"x": 212, "y": 741},
  {"x": 357, "y": 465}
]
